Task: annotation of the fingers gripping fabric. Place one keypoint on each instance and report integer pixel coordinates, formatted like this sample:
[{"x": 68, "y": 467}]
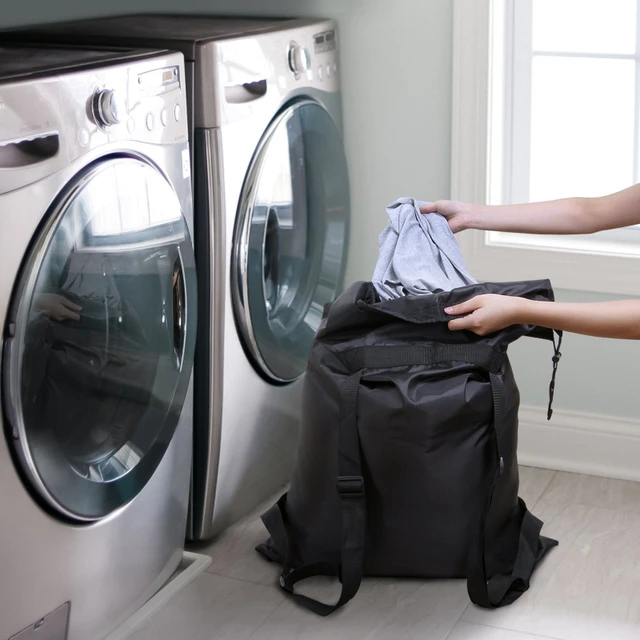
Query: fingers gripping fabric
[{"x": 418, "y": 254}]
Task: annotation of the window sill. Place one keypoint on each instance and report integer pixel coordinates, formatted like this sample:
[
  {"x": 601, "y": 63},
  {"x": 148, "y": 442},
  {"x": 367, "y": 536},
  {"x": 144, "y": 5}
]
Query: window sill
[{"x": 619, "y": 275}]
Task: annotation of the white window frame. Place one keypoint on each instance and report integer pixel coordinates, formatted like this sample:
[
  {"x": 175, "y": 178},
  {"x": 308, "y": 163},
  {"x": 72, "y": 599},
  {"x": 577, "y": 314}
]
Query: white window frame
[{"x": 479, "y": 155}]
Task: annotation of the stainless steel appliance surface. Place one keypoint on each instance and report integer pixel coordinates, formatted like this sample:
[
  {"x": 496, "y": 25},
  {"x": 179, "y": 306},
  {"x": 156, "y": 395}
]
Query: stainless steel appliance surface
[
  {"x": 98, "y": 311},
  {"x": 272, "y": 218}
]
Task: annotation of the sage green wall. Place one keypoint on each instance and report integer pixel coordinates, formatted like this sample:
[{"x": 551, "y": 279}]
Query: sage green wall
[
  {"x": 595, "y": 376},
  {"x": 396, "y": 74}
]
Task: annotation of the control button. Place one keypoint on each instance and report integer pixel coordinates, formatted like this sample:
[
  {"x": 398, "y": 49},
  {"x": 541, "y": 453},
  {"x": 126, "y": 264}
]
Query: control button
[
  {"x": 149, "y": 121},
  {"x": 83, "y": 137},
  {"x": 131, "y": 125},
  {"x": 177, "y": 113},
  {"x": 108, "y": 107},
  {"x": 328, "y": 70},
  {"x": 163, "y": 117},
  {"x": 320, "y": 72},
  {"x": 299, "y": 58}
]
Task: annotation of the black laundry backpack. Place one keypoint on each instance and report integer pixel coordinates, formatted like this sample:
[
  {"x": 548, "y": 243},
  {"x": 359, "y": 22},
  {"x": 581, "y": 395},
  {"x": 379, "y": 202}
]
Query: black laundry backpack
[{"x": 407, "y": 462}]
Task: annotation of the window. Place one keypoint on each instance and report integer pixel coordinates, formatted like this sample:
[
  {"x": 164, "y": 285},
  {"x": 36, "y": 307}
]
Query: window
[
  {"x": 554, "y": 89},
  {"x": 124, "y": 205}
]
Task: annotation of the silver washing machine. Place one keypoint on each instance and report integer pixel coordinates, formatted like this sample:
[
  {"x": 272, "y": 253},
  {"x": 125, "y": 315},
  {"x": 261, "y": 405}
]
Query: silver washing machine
[
  {"x": 98, "y": 310},
  {"x": 272, "y": 219}
]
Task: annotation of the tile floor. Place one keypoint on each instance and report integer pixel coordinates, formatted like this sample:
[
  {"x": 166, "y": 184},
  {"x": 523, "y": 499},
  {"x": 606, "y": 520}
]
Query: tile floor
[{"x": 587, "y": 589}]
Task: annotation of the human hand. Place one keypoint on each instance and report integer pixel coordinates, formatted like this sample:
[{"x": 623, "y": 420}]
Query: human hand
[
  {"x": 57, "y": 307},
  {"x": 458, "y": 214},
  {"x": 487, "y": 313}
]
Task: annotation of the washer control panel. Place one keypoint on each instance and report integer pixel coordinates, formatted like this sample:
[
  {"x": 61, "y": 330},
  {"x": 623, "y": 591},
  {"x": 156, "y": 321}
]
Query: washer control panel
[
  {"x": 318, "y": 66},
  {"x": 145, "y": 103}
]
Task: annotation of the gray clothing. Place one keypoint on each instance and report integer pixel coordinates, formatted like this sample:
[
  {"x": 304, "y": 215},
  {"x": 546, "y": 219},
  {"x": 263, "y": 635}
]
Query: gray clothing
[{"x": 418, "y": 254}]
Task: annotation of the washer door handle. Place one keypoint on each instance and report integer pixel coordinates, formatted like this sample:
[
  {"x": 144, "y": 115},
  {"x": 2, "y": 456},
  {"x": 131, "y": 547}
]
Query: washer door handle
[
  {"x": 179, "y": 311},
  {"x": 26, "y": 151}
]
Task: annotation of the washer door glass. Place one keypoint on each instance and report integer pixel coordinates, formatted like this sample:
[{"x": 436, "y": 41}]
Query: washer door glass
[
  {"x": 291, "y": 238},
  {"x": 100, "y": 346}
]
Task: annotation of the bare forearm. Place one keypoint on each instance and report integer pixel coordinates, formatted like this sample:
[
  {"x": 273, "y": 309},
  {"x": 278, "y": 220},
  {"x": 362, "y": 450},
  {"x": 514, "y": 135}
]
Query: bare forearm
[
  {"x": 620, "y": 319},
  {"x": 567, "y": 216}
]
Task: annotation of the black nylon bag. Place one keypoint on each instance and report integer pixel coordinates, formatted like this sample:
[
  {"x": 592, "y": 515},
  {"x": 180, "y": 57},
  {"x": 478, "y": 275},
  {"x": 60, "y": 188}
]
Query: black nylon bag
[{"x": 407, "y": 458}]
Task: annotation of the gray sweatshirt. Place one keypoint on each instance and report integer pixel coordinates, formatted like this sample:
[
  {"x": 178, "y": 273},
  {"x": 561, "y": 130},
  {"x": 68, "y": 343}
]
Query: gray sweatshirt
[{"x": 418, "y": 254}]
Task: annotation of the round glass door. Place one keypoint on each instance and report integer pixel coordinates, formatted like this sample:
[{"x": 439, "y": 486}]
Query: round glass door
[
  {"x": 291, "y": 238},
  {"x": 100, "y": 345}
]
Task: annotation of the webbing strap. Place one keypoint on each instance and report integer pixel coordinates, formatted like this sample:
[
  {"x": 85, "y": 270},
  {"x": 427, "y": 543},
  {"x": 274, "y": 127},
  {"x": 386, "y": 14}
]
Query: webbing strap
[
  {"x": 380, "y": 357},
  {"x": 502, "y": 590},
  {"x": 477, "y": 570},
  {"x": 350, "y": 486}
]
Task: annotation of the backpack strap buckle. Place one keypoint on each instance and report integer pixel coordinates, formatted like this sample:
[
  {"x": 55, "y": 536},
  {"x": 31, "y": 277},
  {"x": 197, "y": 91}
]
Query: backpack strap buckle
[
  {"x": 285, "y": 584},
  {"x": 351, "y": 486}
]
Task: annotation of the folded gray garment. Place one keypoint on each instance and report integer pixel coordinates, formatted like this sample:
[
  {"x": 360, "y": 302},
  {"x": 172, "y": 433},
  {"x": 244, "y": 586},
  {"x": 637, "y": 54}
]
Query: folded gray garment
[{"x": 418, "y": 254}]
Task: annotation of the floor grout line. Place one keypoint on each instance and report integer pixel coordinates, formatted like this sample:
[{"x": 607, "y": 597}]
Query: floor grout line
[
  {"x": 453, "y": 626},
  {"x": 524, "y": 633},
  {"x": 253, "y": 633},
  {"x": 546, "y": 486},
  {"x": 461, "y": 619},
  {"x": 243, "y": 580}
]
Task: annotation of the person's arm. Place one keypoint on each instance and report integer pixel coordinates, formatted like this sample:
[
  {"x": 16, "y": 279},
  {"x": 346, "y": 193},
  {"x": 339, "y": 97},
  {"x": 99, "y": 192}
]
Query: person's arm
[
  {"x": 566, "y": 216},
  {"x": 488, "y": 313}
]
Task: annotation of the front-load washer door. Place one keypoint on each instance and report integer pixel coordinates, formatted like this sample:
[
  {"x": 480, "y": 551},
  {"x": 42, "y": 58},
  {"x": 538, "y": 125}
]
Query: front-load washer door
[
  {"x": 99, "y": 345},
  {"x": 290, "y": 239}
]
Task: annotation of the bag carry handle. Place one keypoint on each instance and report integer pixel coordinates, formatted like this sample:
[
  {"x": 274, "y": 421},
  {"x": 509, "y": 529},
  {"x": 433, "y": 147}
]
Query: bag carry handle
[{"x": 500, "y": 590}]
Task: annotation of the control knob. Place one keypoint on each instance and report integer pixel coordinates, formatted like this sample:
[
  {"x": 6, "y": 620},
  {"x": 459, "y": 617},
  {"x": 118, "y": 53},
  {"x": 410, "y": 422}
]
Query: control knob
[
  {"x": 299, "y": 58},
  {"x": 108, "y": 107}
]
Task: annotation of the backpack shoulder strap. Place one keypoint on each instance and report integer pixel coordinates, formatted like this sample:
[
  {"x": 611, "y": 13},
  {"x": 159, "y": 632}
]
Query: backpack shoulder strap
[
  {"x": 502, "y": 590},
  {"x": 350, "y": 486}
]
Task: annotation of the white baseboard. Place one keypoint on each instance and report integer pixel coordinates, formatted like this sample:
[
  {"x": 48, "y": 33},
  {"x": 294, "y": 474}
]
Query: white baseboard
[{"x": 578, "y": 442}]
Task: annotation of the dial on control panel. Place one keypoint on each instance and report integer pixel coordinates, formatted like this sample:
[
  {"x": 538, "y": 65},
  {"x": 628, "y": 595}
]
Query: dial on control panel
[
  {"x": 299, "y": 58},
  {"x": 108, "y": 107}
]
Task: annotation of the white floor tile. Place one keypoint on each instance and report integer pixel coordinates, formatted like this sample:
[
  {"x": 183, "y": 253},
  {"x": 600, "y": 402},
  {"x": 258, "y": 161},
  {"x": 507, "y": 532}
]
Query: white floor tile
[
  {"x": 466, "y": 631},
  {"x": 382, "y": 610},
  {"x": 533, "y": 483},
  {"x": 213, "y": 608},
  {"x": 592, "y": 491},
  {"x": 233, "y": 553},
  {"x": 587, "y": 588}
]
